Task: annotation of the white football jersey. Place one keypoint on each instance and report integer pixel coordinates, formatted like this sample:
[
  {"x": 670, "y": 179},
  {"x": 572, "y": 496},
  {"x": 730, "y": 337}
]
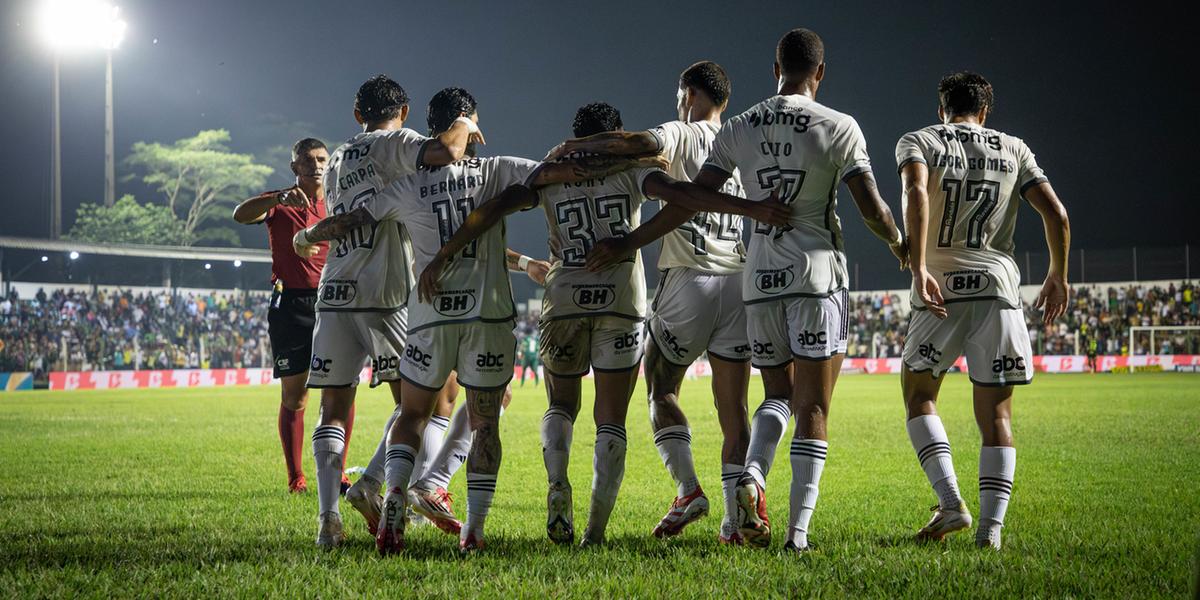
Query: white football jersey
[
  {"x": 432, "y": 204},
  {"x": 805, "y": 149},
  {"x": 579, "y": 214},
  {"x": 976, "y": 176},
  {"x": 709, "y": 242},
  {"x": 370, "y": 269}
]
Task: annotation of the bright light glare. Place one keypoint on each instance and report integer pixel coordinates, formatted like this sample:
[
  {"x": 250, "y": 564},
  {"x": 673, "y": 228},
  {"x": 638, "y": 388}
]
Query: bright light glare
[
  {"x": 207, "y": 266},
  {"x": 237, "y": 263},
  {"x": 74, "y": 255},
  {"x": 75, "y": 24},
  {"x": 45, "y": 258}
]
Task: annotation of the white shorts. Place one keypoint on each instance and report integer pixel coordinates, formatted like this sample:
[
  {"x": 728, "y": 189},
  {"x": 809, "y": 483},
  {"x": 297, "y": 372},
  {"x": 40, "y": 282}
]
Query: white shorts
[
  {"x": 799, "y": 327},
  {"x": 571, "y": 345},
  {"x": 343, "y": 341},
  {"x": 991, "y": 335},
  {"x": 695, "y": 312},
  {"x": 482, "y": 353}
]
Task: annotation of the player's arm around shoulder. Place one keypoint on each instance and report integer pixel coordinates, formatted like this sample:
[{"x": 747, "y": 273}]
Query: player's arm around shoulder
[
  {"x": 330, "y": 228},
  {"x": 582, "y": 168},
  {"x": 451, "y": 145},
  {"x": 623, "y": 143}
]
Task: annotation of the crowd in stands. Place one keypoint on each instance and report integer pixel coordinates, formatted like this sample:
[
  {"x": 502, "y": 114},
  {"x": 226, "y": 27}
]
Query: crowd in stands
[{"x": 79, "y": 330}]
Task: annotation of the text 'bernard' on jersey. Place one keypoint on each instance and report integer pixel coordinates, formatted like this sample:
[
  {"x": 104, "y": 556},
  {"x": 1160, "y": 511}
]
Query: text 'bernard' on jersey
[
  {"x": 976, "y": 176},
  {"x": 369, "y": 269},
  {"x": 709, "y": 242},
  {"x": 805, "y": 150},
  {"x": 432, "y": 205},
  {"x": 578, "y": 215}
]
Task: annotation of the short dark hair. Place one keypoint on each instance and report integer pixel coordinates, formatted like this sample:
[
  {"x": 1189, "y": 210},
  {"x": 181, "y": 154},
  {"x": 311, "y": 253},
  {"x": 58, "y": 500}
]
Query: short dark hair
[
  {"x": 965, "y": 93},
  {"x": 800, "y": 52},
  {"x": 448, "y": 105},
  {"x": 380, "y": 99},
  {"x": 305, "y": 145},
  {"x": 596, "y": 117},
  {"x": 708, "y": 77}
]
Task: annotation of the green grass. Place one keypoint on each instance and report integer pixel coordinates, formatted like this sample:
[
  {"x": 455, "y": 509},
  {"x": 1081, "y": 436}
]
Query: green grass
[{"x": 172, "y": 493}]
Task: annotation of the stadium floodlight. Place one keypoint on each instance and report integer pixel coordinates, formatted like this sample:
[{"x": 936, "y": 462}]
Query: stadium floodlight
[
  {"x": 81, "y": 24},
  {"x": 70, "y": 25},
  {"x": 207, "y": 266},
  {"x": 74, "y": 255},
  {"x": 237, "y": 263},
  {"x": 45, "y": 258}
]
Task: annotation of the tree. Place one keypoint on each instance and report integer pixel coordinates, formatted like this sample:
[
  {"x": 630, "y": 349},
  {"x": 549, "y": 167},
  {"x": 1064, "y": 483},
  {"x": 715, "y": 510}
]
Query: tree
[
  {"x": 201, "y": 179},
  {"x": 128, "y": 222}
]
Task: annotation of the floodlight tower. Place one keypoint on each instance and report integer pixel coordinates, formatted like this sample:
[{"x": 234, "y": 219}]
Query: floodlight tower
[{"x": 73, "y": 25}]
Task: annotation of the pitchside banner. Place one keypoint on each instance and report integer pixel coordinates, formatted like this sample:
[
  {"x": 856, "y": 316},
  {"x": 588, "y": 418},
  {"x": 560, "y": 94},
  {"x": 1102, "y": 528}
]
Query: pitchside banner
[{"x": 186, "y": 378}]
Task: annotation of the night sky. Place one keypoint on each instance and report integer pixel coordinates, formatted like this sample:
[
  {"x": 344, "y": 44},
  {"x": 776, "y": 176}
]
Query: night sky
[{"x": 1093, "y": 93}]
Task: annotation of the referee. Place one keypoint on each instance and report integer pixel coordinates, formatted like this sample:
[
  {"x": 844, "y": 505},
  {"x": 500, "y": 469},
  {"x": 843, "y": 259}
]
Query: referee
[{"x": 290, "y": 318}]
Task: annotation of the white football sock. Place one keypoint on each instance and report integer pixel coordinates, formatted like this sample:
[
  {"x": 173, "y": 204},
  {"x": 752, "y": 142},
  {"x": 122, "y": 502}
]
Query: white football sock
[
  {"x": 674, "y": 445},
  {"x": 480, "y": 489},
  {"x": 730, "y": 474},
  {"x": 452, "y": 454},
  {"x": 557, "y": 430},
  {"x": 399, "y": 467},
  {"x": 608, "y": 469},
  {"x": 328, "y": 444},
  {"x": 431, "y": 442},
  {"x": 932, "y": 446},
  {"x": 808, "y": 460},
  {"x": 996, "y": 466},
  {"x": 374, "y": 470},
  {"x": 766, "y": 430}
]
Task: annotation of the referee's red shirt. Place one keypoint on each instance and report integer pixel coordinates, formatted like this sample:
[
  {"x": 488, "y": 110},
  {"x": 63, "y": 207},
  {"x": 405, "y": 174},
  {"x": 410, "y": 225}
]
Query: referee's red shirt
[{"x": 282, "y": 224}]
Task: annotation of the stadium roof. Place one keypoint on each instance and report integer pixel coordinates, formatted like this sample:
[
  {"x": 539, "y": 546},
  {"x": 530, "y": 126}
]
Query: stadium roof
[{"x": 144, "y": 250}]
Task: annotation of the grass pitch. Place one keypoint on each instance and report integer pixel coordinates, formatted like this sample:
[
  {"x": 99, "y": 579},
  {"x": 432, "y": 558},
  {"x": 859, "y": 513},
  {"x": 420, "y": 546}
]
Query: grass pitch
[{"x": 181, "y": 492}]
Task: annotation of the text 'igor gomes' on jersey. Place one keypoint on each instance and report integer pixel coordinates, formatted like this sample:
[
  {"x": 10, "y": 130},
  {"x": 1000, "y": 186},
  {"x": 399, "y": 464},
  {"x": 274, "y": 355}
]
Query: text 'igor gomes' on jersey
[
  {"x": 432, "y": 204},
  {"x": 976, "y": 176},
  {"x": 578, "y": 215},
  {"x": 370, "y": 268},
  {"x": 708, "y": 242},
  {"x": 805, "y": 150}
]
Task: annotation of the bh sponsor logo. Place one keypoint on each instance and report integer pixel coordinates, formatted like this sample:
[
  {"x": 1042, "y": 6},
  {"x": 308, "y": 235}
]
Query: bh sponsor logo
[
  {"x": 385, "y": 363},
  {"x": 807, "y": 338},
  {"x": 594, "y": 297},
  {"x": 774, "y": 281},
  {"x": 1007, "y": 363},
  {"x": 929, "y": 353},
  {"x": 339, "y": 292},
  {"x": 320, "y": 365},
  {"x": 968, "y": 283},
  {"x": 418, "y": 357},
  {"x": 489, "y": 362},
  {"x": 454, "y": 303},
  {"x": 672, "y": 343}
]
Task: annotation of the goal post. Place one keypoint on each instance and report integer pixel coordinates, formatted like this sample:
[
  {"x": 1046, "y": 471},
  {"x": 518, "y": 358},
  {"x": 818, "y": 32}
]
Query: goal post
[{"x": 1157, "y": 332}]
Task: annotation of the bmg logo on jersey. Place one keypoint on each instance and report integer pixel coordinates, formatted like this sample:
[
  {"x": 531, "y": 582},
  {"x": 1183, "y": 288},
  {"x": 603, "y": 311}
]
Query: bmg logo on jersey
[
  {"x": 968, "y": 283},
  {"x": 339, "y": 292},
  {"x": 455, "y": 303},
  {"x": 418, "y": 357},
  {"x": 774, "y": 281},
  {"x": 1007, "y": 363},
  {"x": 320, "y": 365},
  {"x": 594, "y": 297},
  {"x": 489, "y": 362},
  {"x": 385, "y": 363}
]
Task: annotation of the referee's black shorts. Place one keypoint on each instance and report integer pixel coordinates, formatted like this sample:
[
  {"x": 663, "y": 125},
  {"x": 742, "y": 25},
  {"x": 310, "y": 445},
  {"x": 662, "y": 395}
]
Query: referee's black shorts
[{"x": 290, "y": 321}]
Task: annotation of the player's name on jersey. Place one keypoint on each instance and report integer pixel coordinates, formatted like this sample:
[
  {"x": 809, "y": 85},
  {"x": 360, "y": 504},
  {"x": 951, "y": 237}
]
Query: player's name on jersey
[
  {"x": 585, "y": 183},
  {"x": 973, "y": 163},
  {"x": 355, "y": 177},
  {"x": 467, "y": 181}
]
